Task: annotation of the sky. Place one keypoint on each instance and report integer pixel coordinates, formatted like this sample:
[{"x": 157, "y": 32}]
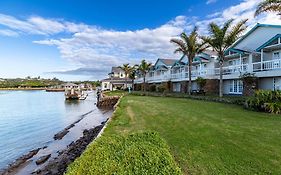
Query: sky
[{"x": 82, "y": 40}]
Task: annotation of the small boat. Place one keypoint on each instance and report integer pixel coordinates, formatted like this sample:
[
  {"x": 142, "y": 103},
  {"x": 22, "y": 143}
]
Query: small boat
[
  {"x": 72, "y": 93},
  {"x": 83, "y": 96}
]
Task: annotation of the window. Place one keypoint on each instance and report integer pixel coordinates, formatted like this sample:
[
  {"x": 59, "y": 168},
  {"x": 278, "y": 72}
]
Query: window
[
  {"x": 105, "y": 85},
  {"x": 276, "y": 55},
  {"x": 235, "y": 87}
]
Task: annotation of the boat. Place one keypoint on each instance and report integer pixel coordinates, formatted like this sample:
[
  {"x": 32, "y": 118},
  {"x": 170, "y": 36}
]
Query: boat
[
  {"x": 83, "y": 96},
  {"x": 72, "y": 93}
]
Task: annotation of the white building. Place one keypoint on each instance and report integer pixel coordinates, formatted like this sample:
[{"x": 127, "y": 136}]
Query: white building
[
  {"x": 258, "y": 52},
  {"x": 116, "y": 80}
]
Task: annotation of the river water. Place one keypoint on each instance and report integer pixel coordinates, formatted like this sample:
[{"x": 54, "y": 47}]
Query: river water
[{"x": 29, "y": 119}]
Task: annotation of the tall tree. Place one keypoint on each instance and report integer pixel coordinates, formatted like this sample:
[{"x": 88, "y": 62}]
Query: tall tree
[
  {"x": 269, "y": 6},
  {"x": 221, "y": 38},
  {"x": 132, "y": 76},
  {"x": 127, "y": 70},
  {"x": 189, "y": 46},
  {"x": 144, "y": 68}
]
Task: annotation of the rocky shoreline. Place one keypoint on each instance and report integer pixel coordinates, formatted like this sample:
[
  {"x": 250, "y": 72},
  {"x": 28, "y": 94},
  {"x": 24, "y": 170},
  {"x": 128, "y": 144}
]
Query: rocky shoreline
[{"x": 58, "y": 165}]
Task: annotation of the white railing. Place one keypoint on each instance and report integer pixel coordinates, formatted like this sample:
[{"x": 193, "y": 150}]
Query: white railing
[
  {"x": 267, "y": 65},
  {"x": 233, "y": 69},
  {"x": 194, "y": 73}
]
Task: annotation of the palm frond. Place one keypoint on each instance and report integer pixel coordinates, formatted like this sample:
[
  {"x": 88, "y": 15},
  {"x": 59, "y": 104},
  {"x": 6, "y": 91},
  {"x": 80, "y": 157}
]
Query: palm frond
[
  {"x": 269, "y": 6},
  {"x": 235, "y": 33}
]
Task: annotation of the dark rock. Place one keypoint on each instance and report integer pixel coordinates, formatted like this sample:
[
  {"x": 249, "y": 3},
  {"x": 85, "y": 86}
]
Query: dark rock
[
  {"x": 60, "y": 135},
  {"x": 58, "y": 165},
  {"x": 20, "y": 161},
  {"x": 43, "y": 159}
]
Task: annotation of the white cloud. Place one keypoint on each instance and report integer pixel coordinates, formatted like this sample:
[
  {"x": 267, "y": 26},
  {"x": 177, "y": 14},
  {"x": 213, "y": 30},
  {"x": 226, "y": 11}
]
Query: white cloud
[
  {"x": 7, "y": 32},
  {"x": 99, "y": 47},
  {"x": 92, "y": 47},
  {"x": 211, "y": 1},
  {"x": 46, "y": 26}
]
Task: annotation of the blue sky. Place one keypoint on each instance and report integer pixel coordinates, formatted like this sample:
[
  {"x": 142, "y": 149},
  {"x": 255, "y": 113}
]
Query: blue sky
[{"x": 81, "y": 40}]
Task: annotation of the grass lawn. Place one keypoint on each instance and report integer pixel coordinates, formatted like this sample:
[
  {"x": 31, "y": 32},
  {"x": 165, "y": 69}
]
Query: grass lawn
[{"x": 203, "y": 137}]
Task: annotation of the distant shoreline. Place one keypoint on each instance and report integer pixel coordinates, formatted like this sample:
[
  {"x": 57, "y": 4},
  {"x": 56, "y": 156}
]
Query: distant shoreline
[{"x": 20, "y": 89}]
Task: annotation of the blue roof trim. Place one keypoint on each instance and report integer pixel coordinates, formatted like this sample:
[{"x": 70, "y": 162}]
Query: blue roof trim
[
  {"x": 179, "y": 62},
  {"x": 234, "y": 50},
  {"x": 268, "y": 42},
  {"x": 252, "y": 30},
  {"x": 155, "y": 65}
]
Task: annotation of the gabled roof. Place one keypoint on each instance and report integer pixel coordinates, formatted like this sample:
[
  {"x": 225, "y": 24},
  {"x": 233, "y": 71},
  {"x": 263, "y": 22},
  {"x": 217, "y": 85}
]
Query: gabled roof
[
  {"x": 252, "y": 30},
  {"x": 268, "y": 42},
  {"x": 168, "y": 62},
  {"x": 116, "y": 69},
  {"x": 165, "y": 62}
]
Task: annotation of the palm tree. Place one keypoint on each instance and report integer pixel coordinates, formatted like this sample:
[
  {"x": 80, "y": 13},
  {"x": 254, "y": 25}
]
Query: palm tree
[
  {"x": 189, "y": 46},
  {"x": 127, "y": 70},
  {"x": 221, "y": 38},
  {"x": 269, "y": 6},
  {"x": 132, "y": 76},
  {"x": 143, "y": 68}
]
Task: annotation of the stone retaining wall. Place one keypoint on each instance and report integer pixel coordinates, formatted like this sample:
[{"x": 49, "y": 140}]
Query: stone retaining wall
[{"x": 107, "y": 101}]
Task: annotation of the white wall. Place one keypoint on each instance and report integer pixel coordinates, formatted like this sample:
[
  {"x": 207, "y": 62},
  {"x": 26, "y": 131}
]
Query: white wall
[
  {"x": 258, "y": 38},
  {"x": 226, "y": 86},
  {"x": 266, "y": 83},
  {"x": 105, "y": 85}
]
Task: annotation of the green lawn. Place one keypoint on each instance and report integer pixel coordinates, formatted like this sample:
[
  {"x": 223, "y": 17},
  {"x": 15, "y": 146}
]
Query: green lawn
[{"x": 203, "y": 137}]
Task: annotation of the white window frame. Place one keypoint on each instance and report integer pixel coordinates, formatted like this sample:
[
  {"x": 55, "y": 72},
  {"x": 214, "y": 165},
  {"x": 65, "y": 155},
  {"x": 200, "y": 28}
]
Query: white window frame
[{"x": 236, "y": 87}]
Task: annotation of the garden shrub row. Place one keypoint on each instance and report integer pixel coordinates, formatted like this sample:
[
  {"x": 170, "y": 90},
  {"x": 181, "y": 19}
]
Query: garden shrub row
[
  {"x": 139, "y": 153},
  {"x": 266, "y": 101}
]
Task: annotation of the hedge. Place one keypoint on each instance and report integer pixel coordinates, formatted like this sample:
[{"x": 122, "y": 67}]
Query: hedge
[{"x": 139, "y": 153}]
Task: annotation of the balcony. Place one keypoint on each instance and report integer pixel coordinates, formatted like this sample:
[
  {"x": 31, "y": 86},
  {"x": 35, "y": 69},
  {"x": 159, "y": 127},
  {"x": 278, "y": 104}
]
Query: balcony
[
  {"x": 229, "y": 72},
  {"x": 267, "y": 65},
  {"x": 236, "y": 69}
]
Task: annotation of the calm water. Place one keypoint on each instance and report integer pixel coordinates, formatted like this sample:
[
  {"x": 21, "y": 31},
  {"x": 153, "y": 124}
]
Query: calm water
[{"x": 29, "y": 119}]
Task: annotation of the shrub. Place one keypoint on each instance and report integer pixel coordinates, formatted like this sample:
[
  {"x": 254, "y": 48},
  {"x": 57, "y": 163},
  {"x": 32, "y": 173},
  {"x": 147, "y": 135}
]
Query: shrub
[
  {"x": 152, "y": 88},
  {"x": 265, "y": 100},
  {"x": 139, "y": 153},
  {"x": 161, "y": 88},
  {"x": 201, "y": 82}
]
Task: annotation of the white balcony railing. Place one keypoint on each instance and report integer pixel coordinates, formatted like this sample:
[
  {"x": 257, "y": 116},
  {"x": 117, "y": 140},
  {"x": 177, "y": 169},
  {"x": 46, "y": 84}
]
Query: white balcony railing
[
  {"x": 233, "y": 69},
  {"x": 267, "y": 65},
  {"x": 228, "y": 70}
]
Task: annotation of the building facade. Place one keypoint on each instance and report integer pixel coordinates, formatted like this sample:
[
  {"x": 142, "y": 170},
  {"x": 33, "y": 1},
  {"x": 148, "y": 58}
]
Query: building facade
[
  {"x": 116, "y": 80},
  {"x": 257, "y": 52}
]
